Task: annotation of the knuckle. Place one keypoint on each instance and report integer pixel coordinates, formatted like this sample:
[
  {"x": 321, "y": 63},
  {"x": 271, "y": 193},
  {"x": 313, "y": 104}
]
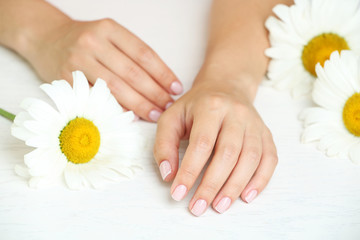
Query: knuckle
[
  {"x": 133, "y": 73},
  {"x": 145, "y": 54},
  {"x": 215, "y": 101},
  {"x": 203, "y": 144},
  {"x": 161, "y": 98},
  {"x": 189, "y": 174},
  {"x": 230, "y": 153},
  {"x": 106, "y": 23},
  {"x": 210, "y": 187},
  {"x": 87, "y": 39},
  {"x": 253, "y": 155}
]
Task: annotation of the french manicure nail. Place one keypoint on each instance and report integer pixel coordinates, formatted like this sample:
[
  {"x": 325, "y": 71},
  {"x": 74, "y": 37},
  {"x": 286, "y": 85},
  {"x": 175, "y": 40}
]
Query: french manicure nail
[
  {"x": 176, "y": 88},
  {"x": 154, "y": 115},
  {"x": 165, "y": 169},
  {"x": 223, "y": 205},
  {"x": 250, "y": 196},
  {"x": 199, "y": 207},
  {"x": 179, "y": 192},
  {"x": 168, "y": 105}
]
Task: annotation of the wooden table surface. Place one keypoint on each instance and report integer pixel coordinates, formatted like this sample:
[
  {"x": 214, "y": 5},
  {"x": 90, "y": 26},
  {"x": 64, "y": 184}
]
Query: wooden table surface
[{"x": 309, "y": 197}]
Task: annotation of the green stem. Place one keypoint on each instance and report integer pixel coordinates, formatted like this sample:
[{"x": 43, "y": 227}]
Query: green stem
[{"x": 7, "y": 115}]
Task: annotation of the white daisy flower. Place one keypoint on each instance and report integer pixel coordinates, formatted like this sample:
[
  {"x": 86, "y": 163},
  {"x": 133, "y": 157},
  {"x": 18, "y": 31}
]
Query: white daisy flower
[
  {"x": 305, "y": 34},
  {"x": 335, "y": 124},
  {"x": 90, "y": 140}
]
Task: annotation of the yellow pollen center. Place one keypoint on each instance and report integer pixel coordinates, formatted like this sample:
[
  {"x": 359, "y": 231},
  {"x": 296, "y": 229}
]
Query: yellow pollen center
[
  {"x": 79, "y": 140},
  {"x": 319, "y": 49},
  {"x": 351, "y": 114}
]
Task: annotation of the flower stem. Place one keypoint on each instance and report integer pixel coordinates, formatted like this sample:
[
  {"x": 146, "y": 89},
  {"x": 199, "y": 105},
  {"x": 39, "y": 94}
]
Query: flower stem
[{"x": 7, "y": 115}]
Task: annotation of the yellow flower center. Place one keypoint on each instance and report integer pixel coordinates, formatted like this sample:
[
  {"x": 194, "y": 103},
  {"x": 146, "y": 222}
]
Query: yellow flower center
[
  {"x": 351, "y": 114},
  {"x": 80, "y": 140},
  {"x": 319, "y": 49}
]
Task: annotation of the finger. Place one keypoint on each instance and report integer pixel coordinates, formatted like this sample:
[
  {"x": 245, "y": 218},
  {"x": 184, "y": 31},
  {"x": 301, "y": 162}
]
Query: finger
[
  {"x": 248, "y": 162},
  {"x": 145, "y": 57},
  {"x": 226, "y": 155},
  {"x": 265, "y": 170},
  {"x": 135, "y": 76},
  {"x": 203, "y": 135},
  {"x": 123, "y": 93},
  {"x": 170, "y": 129}
]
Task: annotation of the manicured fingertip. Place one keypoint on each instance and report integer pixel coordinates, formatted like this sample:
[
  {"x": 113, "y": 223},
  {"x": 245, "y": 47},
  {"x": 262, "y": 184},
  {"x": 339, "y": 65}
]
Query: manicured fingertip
[
  {"x": 179, "y": 192},
  {"x": 250, "y": 196},
  {"x": 176, "y": 88},
  {"x": 199, "y": 207},
  {"x": 154, "y": 115},
  {"x": 168, "y": 105},
  {"x": 223, "y": 205},
  {"x": 165, "y": 169}
]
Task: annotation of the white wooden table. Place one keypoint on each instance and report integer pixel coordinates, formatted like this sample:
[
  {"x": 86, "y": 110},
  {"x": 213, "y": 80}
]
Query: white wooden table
[{"x": 309, "y": 197}]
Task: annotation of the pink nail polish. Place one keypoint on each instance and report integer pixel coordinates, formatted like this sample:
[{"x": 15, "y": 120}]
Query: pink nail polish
[
  {"x": 179, "y": 193},
  {"x": 176, "y": 88},
  {"x": 250, "y": 196},
  {"x": 165, "y": 169},
  {"x": 154, "y": 115},
  {"x": 168, "y": 105},
  {"x": 199, "y": 207},
  {"x": 223, "y": 205}
]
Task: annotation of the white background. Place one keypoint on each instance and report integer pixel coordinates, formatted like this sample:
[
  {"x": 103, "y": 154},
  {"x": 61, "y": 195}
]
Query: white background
[{"x": 309, "y": 197}]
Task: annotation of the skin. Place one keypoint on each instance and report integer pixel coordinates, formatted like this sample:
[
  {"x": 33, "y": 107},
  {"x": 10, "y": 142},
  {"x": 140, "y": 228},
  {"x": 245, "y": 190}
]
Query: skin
[
  {"x": 217, "y": 115},
  {"x": 56, "y": 45}
]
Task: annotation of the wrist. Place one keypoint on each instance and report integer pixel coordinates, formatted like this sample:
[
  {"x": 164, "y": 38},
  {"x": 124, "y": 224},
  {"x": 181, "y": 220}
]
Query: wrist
[
  {"x": 221, "y": 77},
  {"x": 36, "y": 36}
]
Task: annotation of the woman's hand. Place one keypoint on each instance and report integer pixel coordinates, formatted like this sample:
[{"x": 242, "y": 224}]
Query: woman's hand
[
  {"x": 136, "y": 75},
  {"x": 217, "y": 118}
]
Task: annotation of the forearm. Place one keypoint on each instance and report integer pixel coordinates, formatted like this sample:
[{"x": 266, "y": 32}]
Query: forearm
[
  {"x": 24, "y": 22},
  {"x": 237, "y": 41}
]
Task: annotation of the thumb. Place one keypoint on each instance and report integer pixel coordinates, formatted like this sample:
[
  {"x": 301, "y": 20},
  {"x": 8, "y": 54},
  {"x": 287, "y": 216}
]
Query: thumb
[{"x": 170, "y": 129}]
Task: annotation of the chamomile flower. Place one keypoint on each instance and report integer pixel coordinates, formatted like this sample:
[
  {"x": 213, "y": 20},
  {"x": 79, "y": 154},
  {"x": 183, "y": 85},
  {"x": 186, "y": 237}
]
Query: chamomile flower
[
  {"x": 335, "y": 123},
  {"x": 89, "y": 140},
  {"x": 305, "y": 34}
]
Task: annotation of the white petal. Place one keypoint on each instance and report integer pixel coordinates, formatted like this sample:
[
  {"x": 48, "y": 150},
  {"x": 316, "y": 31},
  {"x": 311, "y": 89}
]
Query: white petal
[
  {"x": 354, "y": 153},
  {"x": 21, "y": 133},
  {"x": 22, "y": 170},
  {"x": 63, "y": 96},
  {"x": 81, "y": 90},
  {"x": 40, "y": 110},
  {"x": 73, "y": 177}
]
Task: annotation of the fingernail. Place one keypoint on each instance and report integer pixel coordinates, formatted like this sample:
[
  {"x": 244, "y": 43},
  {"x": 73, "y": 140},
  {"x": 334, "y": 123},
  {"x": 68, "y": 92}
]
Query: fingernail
[
  {"x": 223, "y": 205},
  {"x": 179, "y": 193},
  {"x": 168, "y": 105},
  {"x": 250, "y": 196},
  {"x": 165, "y": 169},
  {"x": 154, "y": 115},
  {"x": 199, "y": 207},
  {"x": 176, "y": 88}
]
